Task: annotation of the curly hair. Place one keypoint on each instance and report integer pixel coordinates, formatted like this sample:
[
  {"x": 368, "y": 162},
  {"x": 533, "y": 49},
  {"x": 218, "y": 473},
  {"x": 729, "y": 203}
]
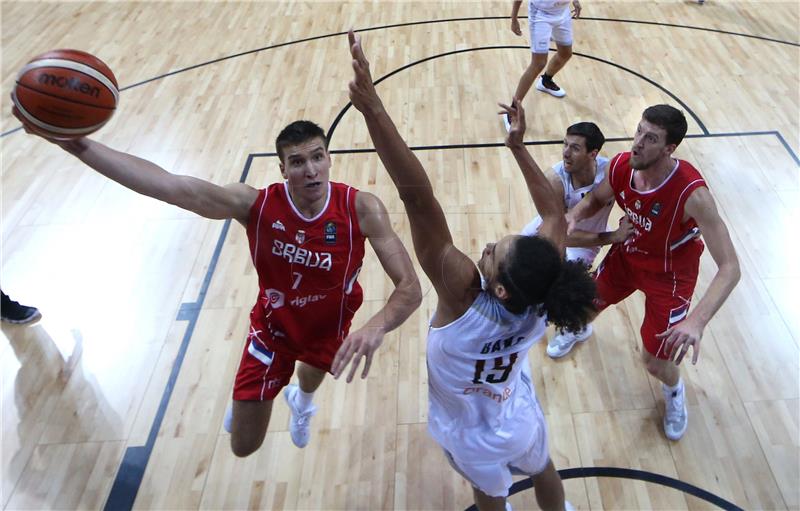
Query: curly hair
[{"x": 535, "y": 274}]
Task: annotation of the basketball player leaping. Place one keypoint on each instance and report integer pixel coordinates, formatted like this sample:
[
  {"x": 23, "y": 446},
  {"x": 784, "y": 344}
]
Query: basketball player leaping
[
  {"x": 669, "y": 205},
  {"x": 306, "y": 237},
  {"x": 483, "y": 411}
]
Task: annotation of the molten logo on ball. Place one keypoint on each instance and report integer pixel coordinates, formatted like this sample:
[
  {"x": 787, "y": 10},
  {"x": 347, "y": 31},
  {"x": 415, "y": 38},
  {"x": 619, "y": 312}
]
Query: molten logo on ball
[{"x": 69, "y": 83}]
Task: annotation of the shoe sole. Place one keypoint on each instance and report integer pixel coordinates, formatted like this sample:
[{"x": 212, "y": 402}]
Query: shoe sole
[
  {"x": 570, "y": 348},
  {"x": 542, "y": 88},
  {"x": 35, "y": 317}
]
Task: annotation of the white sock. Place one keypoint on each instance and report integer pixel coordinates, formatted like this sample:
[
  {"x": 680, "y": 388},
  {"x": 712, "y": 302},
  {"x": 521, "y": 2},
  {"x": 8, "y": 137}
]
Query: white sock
[
  {"x": 303, "y": 399},
  {"x": 675, "y": 388}
]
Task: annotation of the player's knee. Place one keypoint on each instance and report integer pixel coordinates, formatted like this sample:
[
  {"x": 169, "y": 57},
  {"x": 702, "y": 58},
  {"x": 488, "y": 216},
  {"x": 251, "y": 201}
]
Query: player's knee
[
  {"x": 654, "y": 366},
  {"x": 244, "y": 447}
]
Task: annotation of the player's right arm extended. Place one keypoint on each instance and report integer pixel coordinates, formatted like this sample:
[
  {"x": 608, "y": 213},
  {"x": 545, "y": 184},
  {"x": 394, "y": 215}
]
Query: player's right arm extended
[{"x": 142, "y": 176}]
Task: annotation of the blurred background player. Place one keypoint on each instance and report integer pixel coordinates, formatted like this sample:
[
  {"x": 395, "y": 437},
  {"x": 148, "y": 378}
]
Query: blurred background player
[{"x": 547, "y": 19}]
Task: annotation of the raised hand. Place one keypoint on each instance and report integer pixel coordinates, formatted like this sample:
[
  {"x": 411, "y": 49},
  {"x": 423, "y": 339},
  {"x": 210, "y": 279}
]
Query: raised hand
[
  {"x": 516, "y": 118},
  {"x": 362, "y": 90}
]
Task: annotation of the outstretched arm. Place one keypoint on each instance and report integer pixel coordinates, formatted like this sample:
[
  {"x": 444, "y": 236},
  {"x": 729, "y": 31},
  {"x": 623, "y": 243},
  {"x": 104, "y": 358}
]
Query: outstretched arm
[
  {"x": 142, "y": 176},
  {"x": 450, "y": 271},
  {"x": 549, "y": 204},
  {"x": 406, "y": 297},
  {"x": 700, "y": 206}
]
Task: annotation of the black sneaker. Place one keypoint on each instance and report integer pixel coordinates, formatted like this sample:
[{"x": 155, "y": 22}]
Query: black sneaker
[
  {"x": 550, "y": 87},
  {"x": 14, "y": 312}
]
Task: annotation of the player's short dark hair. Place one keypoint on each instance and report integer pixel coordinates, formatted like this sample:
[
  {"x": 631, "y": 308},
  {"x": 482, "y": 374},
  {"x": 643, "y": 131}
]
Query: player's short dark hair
[
  {"x": 297, "y": 133},
  {"x": 535, "y": 274},
  {"x": 667, "y": 118},
  {"x": 591, "y": 134}
]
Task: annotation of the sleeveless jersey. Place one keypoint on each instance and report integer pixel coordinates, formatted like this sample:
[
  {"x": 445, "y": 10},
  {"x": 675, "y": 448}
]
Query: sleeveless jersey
[
  {"x": 662, "y": 241},
  {"x": 550, "y": 6},
  {"x": 481, "y": 398},
  {"x": 572, "y": 196},
  {"x": 307, "y": 268}
]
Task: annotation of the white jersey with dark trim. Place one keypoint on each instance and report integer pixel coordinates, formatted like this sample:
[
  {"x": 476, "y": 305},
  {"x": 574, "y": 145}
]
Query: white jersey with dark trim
[{"x": 481, "y": 397}]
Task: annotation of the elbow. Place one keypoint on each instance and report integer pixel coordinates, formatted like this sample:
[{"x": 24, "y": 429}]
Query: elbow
[{"x": 414, "y": 293}]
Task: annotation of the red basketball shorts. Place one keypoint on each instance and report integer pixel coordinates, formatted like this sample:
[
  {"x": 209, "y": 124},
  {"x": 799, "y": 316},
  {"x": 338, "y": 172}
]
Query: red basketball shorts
[
  {"x": 263, "y": 373},
  {"x": 667, "y": 294}
]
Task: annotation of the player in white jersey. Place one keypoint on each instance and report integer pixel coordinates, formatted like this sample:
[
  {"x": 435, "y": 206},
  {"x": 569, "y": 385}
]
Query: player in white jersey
[
  {"x": 483, "y": 410},
  {"x": 547, "y": 19},
  {"x": 578, "y": 173}
]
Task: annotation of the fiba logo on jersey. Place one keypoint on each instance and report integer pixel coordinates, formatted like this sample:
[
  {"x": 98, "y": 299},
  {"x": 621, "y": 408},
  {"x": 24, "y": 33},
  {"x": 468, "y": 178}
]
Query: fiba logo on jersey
[{"x": 275, "y": 298}]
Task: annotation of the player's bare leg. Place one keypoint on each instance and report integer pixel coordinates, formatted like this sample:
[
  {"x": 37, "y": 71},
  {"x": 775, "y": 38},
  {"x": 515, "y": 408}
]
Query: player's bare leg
[
  {"x": 486, "y": 503},
  {"x": 299, "y": 398},
  {"x": 563, "y": 54},
  {"x": 675, "y": 411},
  {"x": 249, "y": 426},
  {"x": 549, "y": 489},
  {"x": 538, "y": 63}
]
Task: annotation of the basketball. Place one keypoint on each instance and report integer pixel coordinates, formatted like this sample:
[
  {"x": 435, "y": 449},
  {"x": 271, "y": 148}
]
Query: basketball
[{"x": 66, "y": 94}]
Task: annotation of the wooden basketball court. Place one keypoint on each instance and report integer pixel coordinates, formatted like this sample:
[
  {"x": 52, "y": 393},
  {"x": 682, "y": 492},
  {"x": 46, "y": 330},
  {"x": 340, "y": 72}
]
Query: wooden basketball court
[{"x": 115, "y": 399}]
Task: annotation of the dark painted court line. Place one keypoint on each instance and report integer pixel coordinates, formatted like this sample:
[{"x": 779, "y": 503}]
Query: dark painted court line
[
  {"x": 527, "y": 48},
  {"x": 134, "y": 462},
  {"x": 628, "y": 473}
]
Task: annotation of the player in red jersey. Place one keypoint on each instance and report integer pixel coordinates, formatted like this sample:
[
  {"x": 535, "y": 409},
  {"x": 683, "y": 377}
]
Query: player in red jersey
[
  {"x": 669, "y": 205},
  {"x": 306, "y": 238}
]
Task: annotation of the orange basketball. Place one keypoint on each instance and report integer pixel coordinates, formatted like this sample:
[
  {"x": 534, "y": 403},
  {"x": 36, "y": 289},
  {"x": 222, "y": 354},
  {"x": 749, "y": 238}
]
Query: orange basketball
[{"x": 66, "y": 93}]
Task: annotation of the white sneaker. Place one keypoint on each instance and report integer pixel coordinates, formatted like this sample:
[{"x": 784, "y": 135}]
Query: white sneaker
[
  {"x": 508, "y": 506},
  {"x": 551, "y": 88},
  {"x": 228, "y": 420},
  {"x": 676, "y": 415},
  {"x": 568, "y": 506},
  {"x": 300, "y": 423},
  {"x": 562, "y": 343}
]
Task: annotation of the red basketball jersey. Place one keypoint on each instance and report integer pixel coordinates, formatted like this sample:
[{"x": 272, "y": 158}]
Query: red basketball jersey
[
  {"x": 307, "y": 268},
  {"x": 662, "y": 242}
]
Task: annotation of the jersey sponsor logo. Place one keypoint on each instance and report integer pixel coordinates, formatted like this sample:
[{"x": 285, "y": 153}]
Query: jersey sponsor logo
[
  {"x": 296, "y": 255},
  {"x": 330, "y": 233},
  {"x": 493, "y": 347},
  {"x": 640, "y": 220},
  {"x": 622, "y": 194},
  {"x": 637, "y": 204},
  {"x": 656, "y": 209},
  {"x": 275, "y": 298},
  {"x": 300, "y": 237},
  {"x": 302, "y": 301},
  {"x": 278, "y": 225},
  {"x": 494, "y": 396}
]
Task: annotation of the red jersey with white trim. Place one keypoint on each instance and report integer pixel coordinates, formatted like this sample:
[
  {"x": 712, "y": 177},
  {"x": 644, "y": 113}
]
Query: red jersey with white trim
[
  {"x": 662, "y": 242},
  {"x": 307, "y": 268}
]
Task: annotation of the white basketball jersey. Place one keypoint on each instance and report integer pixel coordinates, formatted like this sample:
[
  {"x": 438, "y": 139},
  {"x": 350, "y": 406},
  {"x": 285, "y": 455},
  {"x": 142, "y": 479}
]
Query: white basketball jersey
[
  {"x": 572, "y": 196},
  {"x": 481, "y": 398}
]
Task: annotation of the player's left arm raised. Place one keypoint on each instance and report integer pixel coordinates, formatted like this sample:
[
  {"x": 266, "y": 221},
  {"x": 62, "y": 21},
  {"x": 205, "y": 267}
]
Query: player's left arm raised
[
  {"x": 406, "y": 297},
  {"x": 700, "y": 206}
]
